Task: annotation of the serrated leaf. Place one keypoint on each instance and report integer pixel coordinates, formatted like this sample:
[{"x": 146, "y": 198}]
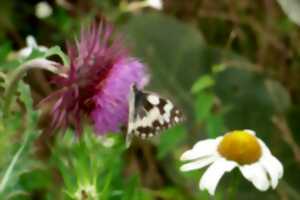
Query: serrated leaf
[
  {"x": 13, "y": 171},
  {"x": 56, "y": 50}
]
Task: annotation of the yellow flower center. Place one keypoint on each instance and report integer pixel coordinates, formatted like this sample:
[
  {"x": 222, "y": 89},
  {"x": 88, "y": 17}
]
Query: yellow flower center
[{"x": 241, "y": 147}]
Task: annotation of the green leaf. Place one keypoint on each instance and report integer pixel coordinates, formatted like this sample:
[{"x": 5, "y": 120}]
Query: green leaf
[
  {"x": 25, "y": 96},
  {"x": 171, "y": 193},
  {"x": 131, "y": 192},
  {"x": 41, "y": 177},
  {"x": 57, "y": 51},
  {"x": 12, "y": 173},
  {"x": 95, "y": 165},
  {"x": 169, "y": 51},
  {"x": 203, "y": 104},
  {"x": 5, "y": 49},
  {"x": 279, "y": 96},
  {"x": 245, "y": 92},
  {"x": 10, "y": 65},
  {"x": 215, "y": 126},
  {"x": 170, "y": 140},
  {"x": 202, "y": 83},
  {"x": 217, "y": 68},
  {"x": 107, "y": 187}
]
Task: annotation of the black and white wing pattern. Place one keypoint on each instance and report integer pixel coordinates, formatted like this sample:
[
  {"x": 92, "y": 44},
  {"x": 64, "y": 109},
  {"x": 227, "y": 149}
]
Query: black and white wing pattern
[{"x": 149, "y": 114}]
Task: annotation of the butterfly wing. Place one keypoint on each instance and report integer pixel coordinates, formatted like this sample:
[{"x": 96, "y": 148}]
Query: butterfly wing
[{"x": 149, "y": 114}]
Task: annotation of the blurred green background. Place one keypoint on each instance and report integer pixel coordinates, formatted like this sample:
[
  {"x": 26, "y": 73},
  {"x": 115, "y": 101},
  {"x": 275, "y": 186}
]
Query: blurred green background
[{"x": 228, "y": 64}]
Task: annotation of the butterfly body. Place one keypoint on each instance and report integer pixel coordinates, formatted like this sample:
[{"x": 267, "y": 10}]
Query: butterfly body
[{"x": 149, "y": 114}]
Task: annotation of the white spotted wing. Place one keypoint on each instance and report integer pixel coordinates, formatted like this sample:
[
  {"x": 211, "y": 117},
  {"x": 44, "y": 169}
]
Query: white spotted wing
[{"x": 149, "y": 114}]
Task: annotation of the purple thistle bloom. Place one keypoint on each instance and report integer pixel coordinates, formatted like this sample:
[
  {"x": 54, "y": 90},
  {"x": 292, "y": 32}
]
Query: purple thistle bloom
[{"x": 97, "y": 84}]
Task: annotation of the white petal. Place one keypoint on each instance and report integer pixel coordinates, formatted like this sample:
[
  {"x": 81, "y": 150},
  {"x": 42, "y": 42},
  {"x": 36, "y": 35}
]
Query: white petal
[
  {"x": 250, "y": 131},
  {"x": 264, "y": 147},
  {"x": 256, "y": 174},
  {"x": 201, "y": 149},
  {"x": 198, "y": 164},
  {"x": 214, "y": 173},
  {"x": 273, "y": 167},
  {"x": 208, "y": 142},
  {"x": 271, "y": 164}
]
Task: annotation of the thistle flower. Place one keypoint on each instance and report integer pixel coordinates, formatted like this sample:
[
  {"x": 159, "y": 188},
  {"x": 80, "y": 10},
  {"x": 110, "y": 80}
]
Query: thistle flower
[
  {"x": 240, "y": 149},
  {"x": 97, "y": 84}
]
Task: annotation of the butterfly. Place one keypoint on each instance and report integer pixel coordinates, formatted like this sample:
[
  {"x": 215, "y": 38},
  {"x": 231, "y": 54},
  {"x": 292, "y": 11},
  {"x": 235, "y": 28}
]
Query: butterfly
[{"x": 149, "y": 114}]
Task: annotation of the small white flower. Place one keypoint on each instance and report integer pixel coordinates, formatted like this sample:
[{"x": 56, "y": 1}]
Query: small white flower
[
  {"x": 156, "y": 4},
  {"x": 43, "y": 10},
  {"x": 240, "y": 149},
  {"x": 31, "y": 44}
]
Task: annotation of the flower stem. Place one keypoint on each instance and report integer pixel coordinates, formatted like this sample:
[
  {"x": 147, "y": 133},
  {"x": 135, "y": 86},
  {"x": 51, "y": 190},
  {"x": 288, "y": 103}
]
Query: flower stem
[
  {"x": 12, "y": 164},
  {"x": 38, "y": 63},
  {"x": 234, "y": 182}
]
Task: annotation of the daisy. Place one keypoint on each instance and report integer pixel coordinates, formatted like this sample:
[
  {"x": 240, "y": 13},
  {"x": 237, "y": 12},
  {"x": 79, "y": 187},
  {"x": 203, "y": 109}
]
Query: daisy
[
  {"x": 239, "y": 148},
  {"x": 96, "y": 86}
]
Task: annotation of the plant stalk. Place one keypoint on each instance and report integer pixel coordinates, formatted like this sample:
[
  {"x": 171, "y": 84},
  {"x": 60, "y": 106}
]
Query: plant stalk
[{"x": 13, "y": 79}]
